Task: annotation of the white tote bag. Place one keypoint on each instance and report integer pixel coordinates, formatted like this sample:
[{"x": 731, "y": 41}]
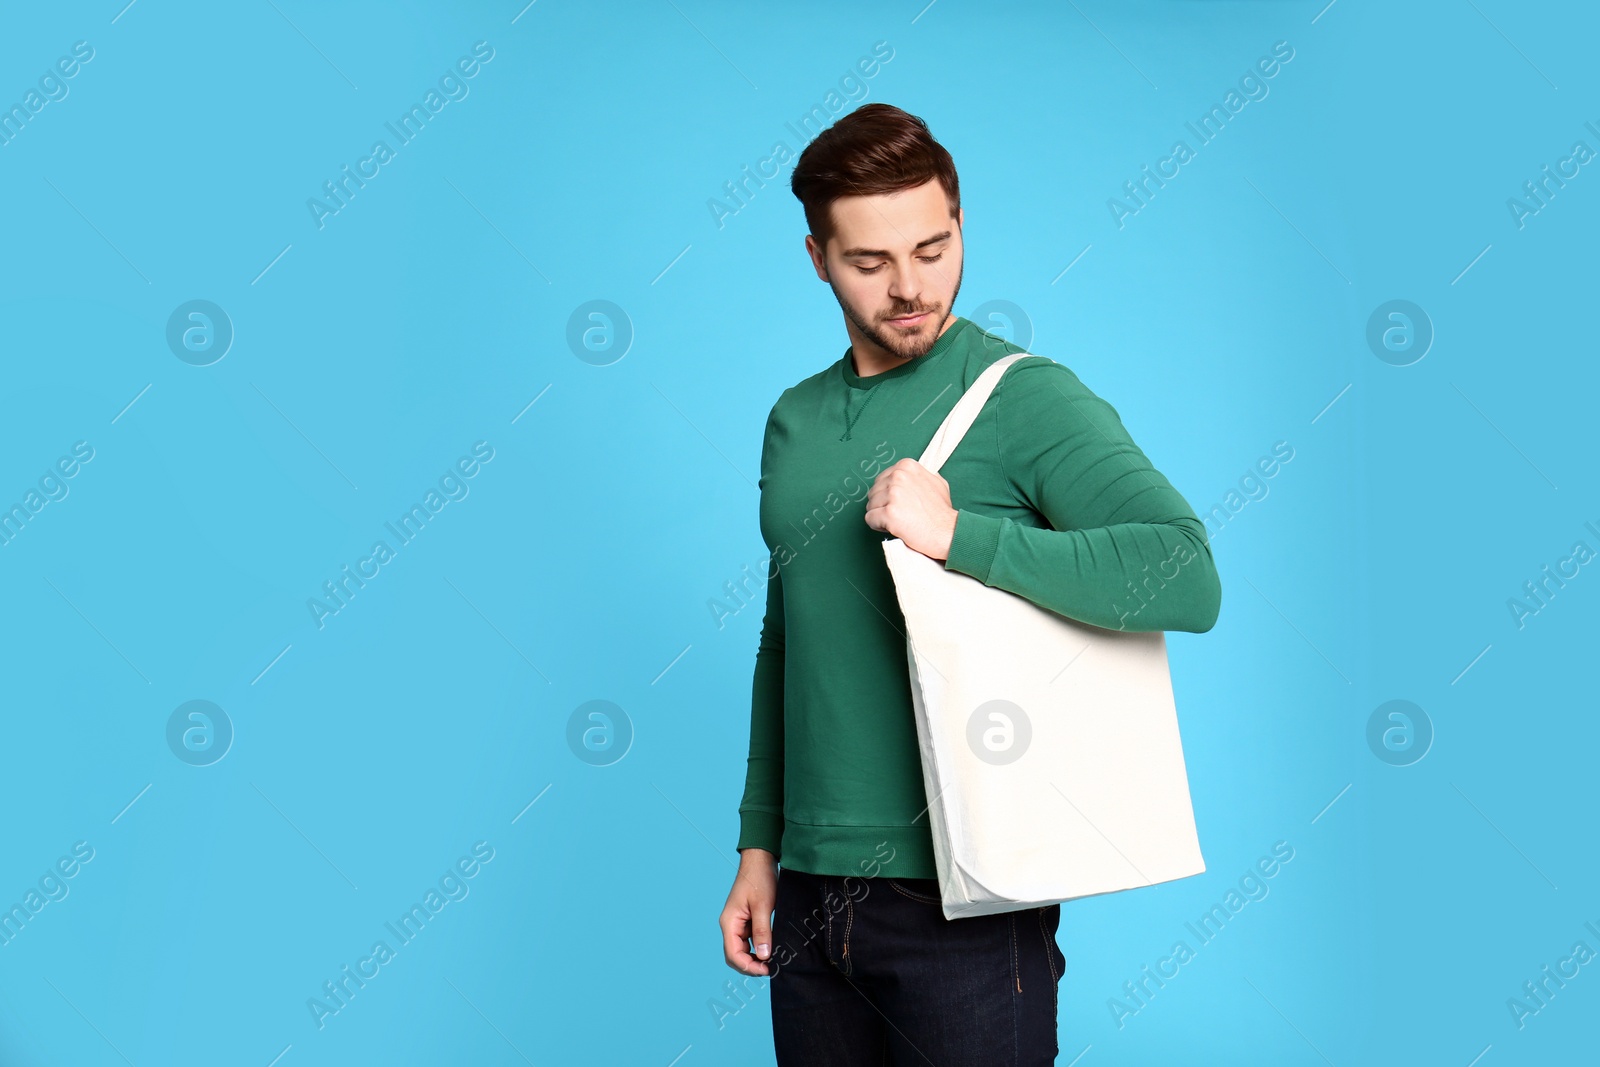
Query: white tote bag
[{"x": 1050, "y": 748}]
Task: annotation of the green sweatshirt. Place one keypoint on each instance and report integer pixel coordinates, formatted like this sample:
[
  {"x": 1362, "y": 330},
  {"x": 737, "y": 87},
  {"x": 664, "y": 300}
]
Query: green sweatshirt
[{"x": 1055, "y": 503}]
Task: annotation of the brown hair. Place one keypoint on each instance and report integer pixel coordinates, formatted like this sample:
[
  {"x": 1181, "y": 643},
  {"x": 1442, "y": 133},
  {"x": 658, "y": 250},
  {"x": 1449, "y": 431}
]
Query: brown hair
[{"x": 877, "y": 148}]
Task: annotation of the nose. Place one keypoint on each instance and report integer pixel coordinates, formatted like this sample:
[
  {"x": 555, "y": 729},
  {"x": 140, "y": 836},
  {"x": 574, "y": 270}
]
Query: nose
[
  {"x": 906, "y": 291},
  {"x": 906, "y": 286}
]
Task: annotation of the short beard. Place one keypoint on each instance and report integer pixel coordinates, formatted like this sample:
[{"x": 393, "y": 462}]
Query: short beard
[{"x": 908, "y": 348}]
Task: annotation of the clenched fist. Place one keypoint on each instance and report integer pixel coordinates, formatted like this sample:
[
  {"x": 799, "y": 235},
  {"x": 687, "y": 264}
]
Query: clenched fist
[
  {"x": 911, "y": 502},
  {"x": 746, "y": 919}
]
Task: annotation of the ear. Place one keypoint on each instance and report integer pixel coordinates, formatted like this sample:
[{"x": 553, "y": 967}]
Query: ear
[
  {"x": 961, "y": 215},
  {"x": 819, "y": 264}
]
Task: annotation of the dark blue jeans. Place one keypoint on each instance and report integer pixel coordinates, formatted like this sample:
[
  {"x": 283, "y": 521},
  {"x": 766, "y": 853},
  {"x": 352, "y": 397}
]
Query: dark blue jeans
[{"x": 869, "y": 971}]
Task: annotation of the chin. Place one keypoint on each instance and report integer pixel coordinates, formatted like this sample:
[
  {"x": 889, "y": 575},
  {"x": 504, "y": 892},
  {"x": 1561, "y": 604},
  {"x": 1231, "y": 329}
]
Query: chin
[{"x": 914, "y": 342}]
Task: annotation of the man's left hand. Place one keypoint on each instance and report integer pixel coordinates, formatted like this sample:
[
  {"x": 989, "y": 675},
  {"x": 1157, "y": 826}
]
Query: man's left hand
[{"x": 911, "y": 502}]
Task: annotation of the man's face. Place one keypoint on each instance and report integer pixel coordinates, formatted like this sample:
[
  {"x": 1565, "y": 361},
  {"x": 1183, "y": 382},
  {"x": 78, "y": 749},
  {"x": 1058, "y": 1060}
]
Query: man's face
[{"x": 894, "y": 263}]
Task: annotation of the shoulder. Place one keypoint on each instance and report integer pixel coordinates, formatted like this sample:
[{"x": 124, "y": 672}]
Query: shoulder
[
  {"x": 1028, "y": 371},
  {"x": 808, "y": 389},
  {"x": 798, "y": 405},
  {"x": 1039, "y": 388},
  {"x": 1033, "y": 372}
]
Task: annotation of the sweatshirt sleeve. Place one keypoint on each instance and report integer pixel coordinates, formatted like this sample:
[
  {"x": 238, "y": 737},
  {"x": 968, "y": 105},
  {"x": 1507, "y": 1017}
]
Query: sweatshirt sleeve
[
  {"x": 1124, "y": 550},
  {"x": 761, "y": 810}
]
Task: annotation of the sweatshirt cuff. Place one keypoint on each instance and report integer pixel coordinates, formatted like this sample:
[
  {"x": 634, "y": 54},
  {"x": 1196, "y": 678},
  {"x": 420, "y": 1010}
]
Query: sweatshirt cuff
[
  {"x": 761, "y": 829},
  {"x": 972, "y": 549}
]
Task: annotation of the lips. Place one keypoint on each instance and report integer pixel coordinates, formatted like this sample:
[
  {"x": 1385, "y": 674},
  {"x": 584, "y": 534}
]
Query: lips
[{"x": 910, "y": 321}]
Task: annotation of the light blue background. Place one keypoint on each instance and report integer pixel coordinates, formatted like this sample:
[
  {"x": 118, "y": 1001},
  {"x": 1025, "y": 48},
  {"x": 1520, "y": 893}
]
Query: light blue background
[{"x": 1227, "y": 315}]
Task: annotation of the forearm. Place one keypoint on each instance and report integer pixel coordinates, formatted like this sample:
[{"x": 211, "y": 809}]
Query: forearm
[{"x": 1136, "y": 576}]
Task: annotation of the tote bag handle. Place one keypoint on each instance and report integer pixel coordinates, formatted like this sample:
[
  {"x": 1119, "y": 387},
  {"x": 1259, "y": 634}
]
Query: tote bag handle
[{"x": 965, "y": 413}]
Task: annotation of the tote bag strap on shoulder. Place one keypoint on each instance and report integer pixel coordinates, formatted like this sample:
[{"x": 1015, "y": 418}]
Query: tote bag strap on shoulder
[{"x": 965, "y": 413}]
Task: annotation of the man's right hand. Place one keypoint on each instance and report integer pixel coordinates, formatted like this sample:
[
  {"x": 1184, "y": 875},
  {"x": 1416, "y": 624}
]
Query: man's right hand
[{"x": 747, "y": 917}]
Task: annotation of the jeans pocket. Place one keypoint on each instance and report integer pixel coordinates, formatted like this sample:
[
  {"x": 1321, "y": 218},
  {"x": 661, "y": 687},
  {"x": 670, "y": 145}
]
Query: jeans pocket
[{"x": 917, "y": 892}]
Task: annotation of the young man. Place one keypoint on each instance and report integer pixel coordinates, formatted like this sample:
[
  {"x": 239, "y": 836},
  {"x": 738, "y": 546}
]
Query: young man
[{"x": 1047, "y": 496}]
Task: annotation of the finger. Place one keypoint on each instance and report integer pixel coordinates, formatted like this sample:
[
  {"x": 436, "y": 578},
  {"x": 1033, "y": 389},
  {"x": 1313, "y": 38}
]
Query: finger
[
  {"x": 735, "y": 925},
  {"x": 886, "y": 487},
  {"x": 735, "y": 944}
]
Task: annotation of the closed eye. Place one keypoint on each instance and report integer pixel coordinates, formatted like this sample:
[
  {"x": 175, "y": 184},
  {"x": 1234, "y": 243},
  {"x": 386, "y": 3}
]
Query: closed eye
[{"x": 925, "y": 259}]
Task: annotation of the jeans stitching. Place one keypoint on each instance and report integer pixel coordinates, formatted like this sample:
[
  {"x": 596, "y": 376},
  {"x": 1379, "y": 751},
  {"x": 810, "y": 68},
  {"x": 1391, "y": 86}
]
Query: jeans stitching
[
  {"x": 828, "y": 916},
  {"x": 1016, "y": 974},
  {"x": 849, "y": 921},
  {"x": 907, "y": 893},
  {"x": 1050, "y": 957},
  {"x": 1055, "y": 979},
  {"x": 1018, "y": 1007}
]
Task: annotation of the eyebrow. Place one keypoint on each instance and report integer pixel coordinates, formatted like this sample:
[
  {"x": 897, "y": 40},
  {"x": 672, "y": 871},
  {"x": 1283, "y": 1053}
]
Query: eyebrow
[{"x": 859, "y": 253}]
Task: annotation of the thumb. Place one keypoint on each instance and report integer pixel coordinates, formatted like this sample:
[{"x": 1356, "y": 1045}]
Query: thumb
[{"x": 761, "y": 926}]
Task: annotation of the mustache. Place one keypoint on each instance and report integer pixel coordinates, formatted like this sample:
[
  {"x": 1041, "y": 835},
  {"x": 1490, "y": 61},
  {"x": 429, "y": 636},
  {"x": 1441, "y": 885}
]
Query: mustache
[{"x": 901, "y": 313}]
